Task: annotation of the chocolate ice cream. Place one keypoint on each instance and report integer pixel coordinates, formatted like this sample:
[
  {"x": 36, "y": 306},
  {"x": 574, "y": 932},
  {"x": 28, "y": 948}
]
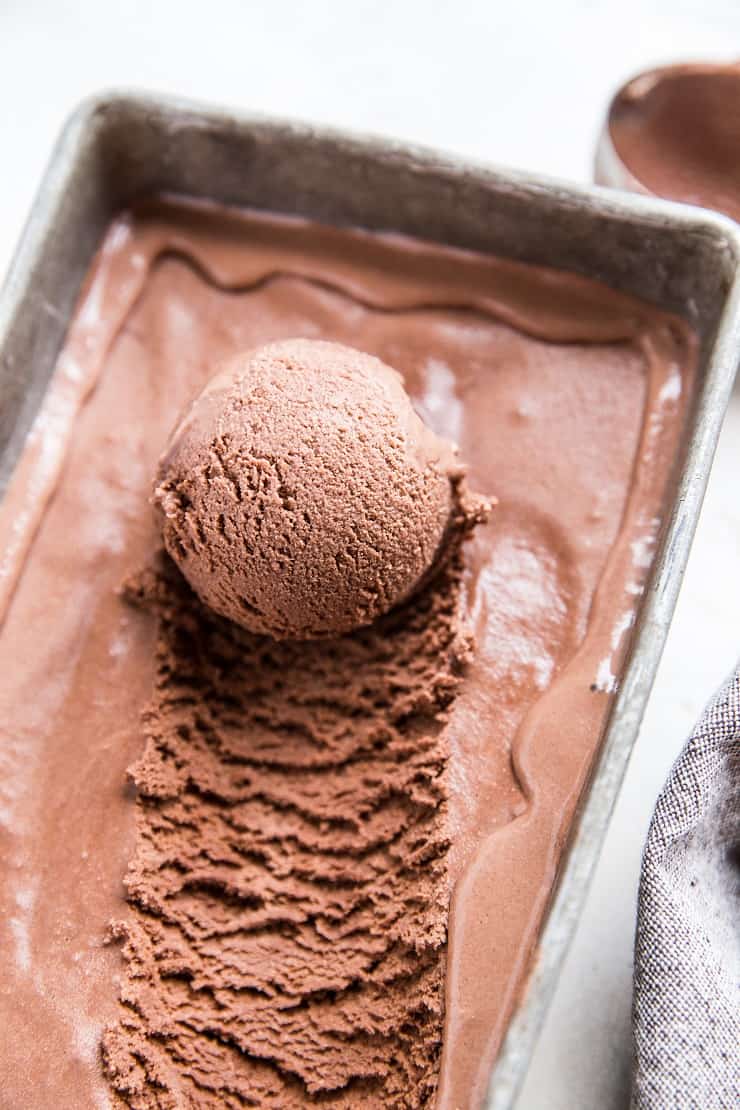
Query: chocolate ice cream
[
  {"x": 302, "y": 496},
  {"x": 676, "y": 132},
  {"x": 328, "y": 882}
]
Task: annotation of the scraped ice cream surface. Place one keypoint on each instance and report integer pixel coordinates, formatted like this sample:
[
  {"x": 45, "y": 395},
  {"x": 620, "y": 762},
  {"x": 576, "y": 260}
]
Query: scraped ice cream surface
[
  {"x": 301, "y": 494},
  {"x": 282, "y": 808}
]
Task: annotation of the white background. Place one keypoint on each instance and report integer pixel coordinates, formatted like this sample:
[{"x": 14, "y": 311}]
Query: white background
[{"x": 524, "y": 84}]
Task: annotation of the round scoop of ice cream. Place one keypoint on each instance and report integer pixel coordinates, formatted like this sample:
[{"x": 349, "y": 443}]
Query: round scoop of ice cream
[{"x": 302, "y": 496}]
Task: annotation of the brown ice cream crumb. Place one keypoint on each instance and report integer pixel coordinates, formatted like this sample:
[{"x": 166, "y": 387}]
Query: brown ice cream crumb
[
  {"x": 290, "y": 886},
  {"x": 302, "y": 496}
]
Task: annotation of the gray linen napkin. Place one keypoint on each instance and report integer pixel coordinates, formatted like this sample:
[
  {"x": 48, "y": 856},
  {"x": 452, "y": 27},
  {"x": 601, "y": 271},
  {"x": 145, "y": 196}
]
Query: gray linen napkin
[{"x": 686, "y": 1007}]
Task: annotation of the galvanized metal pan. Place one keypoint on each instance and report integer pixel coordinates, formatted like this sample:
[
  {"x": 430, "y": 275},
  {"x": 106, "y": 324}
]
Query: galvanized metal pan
[{"x": 118, "y": 147}]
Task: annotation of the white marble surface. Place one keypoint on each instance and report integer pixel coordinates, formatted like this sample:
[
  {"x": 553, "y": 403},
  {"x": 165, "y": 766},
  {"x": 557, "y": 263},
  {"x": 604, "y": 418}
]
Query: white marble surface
[{"x": 522, "y": 84}]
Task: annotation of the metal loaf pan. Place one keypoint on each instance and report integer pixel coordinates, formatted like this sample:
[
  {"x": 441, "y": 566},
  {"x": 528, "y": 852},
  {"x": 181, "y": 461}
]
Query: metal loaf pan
[{"x": 119, "y": 146}]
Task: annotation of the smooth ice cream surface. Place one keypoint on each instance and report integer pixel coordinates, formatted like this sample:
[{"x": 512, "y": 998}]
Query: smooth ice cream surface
[
  {"x": 677, "y": 130},
  {"x": 328, "y": 880},
  {"x": 302, "y": 496}
]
